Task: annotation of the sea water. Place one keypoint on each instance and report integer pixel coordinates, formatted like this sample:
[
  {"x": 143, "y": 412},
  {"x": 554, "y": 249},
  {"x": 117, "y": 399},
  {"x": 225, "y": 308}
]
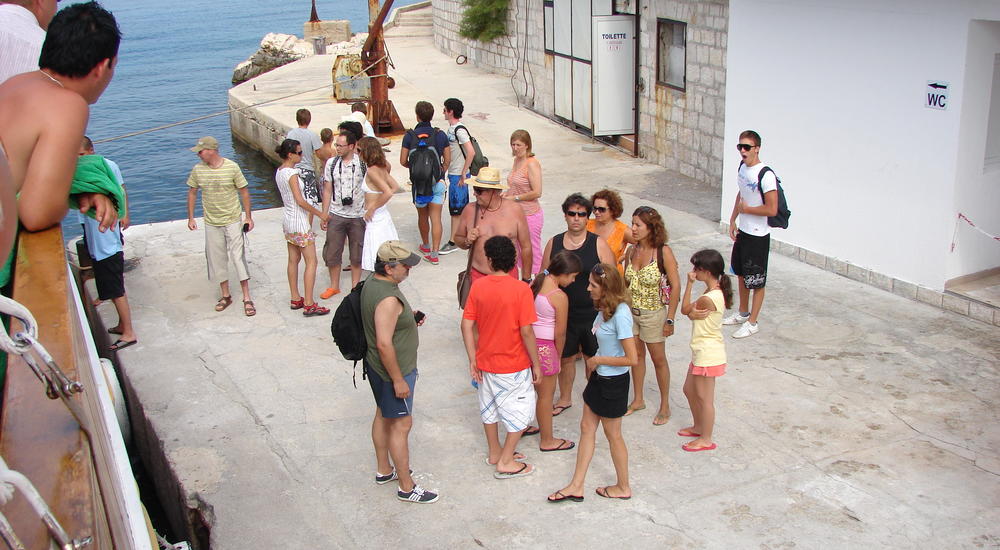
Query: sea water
[{"x": 176, "y": 63}]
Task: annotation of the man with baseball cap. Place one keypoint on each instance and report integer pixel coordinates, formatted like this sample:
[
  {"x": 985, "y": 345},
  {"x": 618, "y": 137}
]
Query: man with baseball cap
[
  {"x": 492, "y": 215},
  {"x": 223, "y": 188},
  {"x": 391, "y": 367}
]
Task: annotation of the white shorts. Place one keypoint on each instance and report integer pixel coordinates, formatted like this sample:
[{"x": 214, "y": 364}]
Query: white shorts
[{"x": 507, "y": 398}]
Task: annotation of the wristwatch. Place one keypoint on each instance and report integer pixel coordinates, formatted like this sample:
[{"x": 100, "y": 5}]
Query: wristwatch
[
  {"x": 517, "y": 198},
  {"x": 528, "y": 280},
  {"x": 669, "y": 322}
]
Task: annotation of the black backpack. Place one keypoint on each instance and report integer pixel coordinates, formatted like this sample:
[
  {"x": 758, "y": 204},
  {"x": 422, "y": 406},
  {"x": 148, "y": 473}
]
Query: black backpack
[
  {"x": 348, "y": 329},
  {"x": 780, "y": 219},
  {"x": 478, "y": 159},
  {"x": 424, "y": 161}
]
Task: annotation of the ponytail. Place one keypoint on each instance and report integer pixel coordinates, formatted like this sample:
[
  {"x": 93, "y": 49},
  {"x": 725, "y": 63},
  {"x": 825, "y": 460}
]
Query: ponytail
[
  {"x": 561, "y": 263},
  {"x": 712, "y": 262},
  {"x": 726, "y": 284},
  {"x": 536, "y": 284}
]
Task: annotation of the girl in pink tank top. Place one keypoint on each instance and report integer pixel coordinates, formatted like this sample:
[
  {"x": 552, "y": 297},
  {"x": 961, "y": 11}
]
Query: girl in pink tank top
[
  {"x": 552, "y": 309},
  {"x": 525, "y": 187}
]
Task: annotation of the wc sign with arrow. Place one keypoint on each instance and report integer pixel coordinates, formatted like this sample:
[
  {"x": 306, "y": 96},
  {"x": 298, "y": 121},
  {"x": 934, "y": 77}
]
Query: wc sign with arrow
[{"x": 936, "y": 95}]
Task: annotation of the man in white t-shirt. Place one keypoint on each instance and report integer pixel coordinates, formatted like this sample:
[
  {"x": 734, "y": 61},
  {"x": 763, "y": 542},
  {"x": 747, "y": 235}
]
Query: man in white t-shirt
[
  {"x": 22, "y": 31},
  {"x": 462, "y": 152},
  {"x": 752, "y": 235}
]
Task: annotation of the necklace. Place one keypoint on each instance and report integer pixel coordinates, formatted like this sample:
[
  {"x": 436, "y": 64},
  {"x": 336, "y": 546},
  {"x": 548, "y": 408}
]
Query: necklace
[
  {"x": 488, "y": 209},
  {"x": 52, "y": 78},
  {"x": 575, "y": 244}
]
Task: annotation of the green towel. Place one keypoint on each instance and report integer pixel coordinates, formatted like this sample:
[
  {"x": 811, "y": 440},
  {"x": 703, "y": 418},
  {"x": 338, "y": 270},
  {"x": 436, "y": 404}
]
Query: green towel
[{"x": 94, "y": 176}]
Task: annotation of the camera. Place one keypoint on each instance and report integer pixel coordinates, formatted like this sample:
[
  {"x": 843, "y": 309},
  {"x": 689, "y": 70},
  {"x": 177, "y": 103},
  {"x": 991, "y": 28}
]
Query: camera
[{"x": 346, "y": 201}]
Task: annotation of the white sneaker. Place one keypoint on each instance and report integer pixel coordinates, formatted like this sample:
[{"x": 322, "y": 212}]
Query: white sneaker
[
  {"x": 735, "y": 319},
  {"x": 746, "y": 330}
]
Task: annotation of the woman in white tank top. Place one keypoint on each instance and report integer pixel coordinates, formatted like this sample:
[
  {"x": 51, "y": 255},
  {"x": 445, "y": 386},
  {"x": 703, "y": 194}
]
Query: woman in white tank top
[{"x": 379, "y": 187}]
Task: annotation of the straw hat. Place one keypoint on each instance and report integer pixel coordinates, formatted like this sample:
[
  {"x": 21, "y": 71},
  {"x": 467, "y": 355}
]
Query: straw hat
[{"x": 488, "y": 178}]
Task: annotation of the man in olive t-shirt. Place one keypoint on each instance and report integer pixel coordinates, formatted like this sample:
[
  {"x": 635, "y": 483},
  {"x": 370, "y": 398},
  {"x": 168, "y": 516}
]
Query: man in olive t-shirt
[
  {"x": 223, "y": 188},
  {"x": 391, "y": 366}
]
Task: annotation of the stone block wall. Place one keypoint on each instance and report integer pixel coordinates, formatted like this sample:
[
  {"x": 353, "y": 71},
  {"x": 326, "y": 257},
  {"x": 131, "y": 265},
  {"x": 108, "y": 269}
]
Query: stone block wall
[
  {"x": 521, "y": 53},
  {"x": 336, "y": 30},
  {"x": 684, "y": 130},
  {"x": 680, "y": 130}
]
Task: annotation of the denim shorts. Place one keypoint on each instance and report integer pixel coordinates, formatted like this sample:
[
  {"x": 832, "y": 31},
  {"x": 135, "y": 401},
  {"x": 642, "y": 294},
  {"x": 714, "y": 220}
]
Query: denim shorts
[{"x": 421, "y": 201}]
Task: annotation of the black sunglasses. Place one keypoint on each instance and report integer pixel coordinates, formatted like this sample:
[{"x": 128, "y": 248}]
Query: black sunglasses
[
  {"x": 598, "y": 270},
  {"x": 744, "y": 146},
  {"x": 601, "y": 209},
  {"x": 299, "y": 153},
  {"x": 573, "y": 213}
]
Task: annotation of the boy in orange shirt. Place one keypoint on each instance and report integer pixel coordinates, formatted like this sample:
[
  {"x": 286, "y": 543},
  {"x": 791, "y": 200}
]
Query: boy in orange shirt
[{"x": 503, "y": 360}]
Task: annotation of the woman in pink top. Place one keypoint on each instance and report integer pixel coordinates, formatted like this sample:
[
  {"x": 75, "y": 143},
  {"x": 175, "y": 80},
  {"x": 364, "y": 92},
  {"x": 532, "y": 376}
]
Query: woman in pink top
[
  {"x": 552, "y": 309},
  {"x": 525, "y": 187}
]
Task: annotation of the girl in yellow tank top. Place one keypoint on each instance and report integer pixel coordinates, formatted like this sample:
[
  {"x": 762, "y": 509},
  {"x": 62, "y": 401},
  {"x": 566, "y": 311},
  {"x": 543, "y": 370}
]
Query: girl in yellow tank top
[{"x": 708, "y": 349}]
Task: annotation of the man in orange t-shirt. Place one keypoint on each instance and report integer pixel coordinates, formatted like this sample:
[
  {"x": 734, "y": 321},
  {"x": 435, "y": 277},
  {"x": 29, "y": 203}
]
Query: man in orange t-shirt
[{"x": 504, "y": 358}]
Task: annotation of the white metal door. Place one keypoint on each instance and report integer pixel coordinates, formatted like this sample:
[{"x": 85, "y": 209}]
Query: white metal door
[{"x": 613, "y": 67}]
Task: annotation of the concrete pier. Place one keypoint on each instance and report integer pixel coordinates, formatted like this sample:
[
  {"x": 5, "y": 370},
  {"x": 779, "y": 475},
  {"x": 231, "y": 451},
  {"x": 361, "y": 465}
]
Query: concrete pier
[{"x": 854, "y": 418}]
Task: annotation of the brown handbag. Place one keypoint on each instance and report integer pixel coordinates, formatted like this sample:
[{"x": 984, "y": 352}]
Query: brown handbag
[{"x": 465, "y": 277}]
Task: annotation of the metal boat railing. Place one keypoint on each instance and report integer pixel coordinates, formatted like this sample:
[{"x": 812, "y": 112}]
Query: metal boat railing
[{"x": 69, "y": 447}]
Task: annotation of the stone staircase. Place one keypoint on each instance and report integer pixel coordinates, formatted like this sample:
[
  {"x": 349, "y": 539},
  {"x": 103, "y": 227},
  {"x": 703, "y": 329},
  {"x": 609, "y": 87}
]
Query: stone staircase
[{"x": 415, "y": 21}]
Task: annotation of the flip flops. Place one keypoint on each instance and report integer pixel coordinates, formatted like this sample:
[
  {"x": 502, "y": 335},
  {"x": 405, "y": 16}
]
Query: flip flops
[
  {"x": 560, "y": 497},
  {"x": 526, "y": 470},
  {"x": 603, "y": 492},
  {"x": 531, "y": 430},
  {"x": 121, "y": 344},
  {"x": 518, "y": 456},
  {"x": 560, "y": 447},
  {"x": 561, "y": 409},
  {"x": 687, "y": 447},
  {"x": 630, "y": 410},
  {"x": 687, "y": 433}
]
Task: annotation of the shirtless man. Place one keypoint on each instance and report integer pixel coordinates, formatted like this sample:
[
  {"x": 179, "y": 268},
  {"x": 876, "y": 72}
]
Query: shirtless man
[
  {"x": 496, "y": 217},
  {"x": 44, "y": 113}
]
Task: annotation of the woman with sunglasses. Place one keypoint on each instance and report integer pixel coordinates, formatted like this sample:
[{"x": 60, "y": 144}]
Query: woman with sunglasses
[
  {"x": 606, "y": 394},
  {"x": 651, "y": 274},
  {"x": 525, "y": 188},
  {"x": 607, "y": 209},
  {"x": 300, "y": 240}
]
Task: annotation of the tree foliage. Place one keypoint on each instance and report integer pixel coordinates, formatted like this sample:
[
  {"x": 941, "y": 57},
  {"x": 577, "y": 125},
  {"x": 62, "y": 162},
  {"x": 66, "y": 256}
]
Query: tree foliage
[{"x": 484, "y": 20}]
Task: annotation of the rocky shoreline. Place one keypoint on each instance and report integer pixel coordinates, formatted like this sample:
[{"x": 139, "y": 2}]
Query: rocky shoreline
[{"x": 278, "y": 49}]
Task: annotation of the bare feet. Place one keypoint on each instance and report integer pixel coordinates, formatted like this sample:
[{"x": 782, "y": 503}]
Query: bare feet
[
  {"x": 635, "y": 407},
  {"x": 661, "y": 418}
]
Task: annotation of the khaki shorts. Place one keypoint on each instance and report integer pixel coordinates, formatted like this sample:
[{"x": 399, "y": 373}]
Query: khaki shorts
[
  {"x": 647, "y": 324},
  {"x": 339, "y": 230},
  {"x": 224, "y": 247}
]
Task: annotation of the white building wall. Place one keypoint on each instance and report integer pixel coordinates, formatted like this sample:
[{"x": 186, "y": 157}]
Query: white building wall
[{"x": 836, "y": 89}]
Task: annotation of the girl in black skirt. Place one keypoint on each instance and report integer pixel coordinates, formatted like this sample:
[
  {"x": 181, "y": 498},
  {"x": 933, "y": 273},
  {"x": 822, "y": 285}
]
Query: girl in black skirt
[{"x": 606, "y": 396}]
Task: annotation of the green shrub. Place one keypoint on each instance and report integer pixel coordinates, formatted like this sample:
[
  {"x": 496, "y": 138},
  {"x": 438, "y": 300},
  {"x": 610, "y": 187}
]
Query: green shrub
[{"x": 484, "y": 20}]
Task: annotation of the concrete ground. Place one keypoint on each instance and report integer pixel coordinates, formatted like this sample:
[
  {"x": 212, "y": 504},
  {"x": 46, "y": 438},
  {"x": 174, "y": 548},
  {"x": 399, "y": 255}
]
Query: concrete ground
[{"x": 854, "y": 418}]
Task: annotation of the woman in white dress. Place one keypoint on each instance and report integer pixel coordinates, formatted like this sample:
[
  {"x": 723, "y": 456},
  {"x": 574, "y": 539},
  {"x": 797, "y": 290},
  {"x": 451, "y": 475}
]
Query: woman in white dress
[
  {"x": 299, "y": 236},
  {"x": 379, "y": 187}
]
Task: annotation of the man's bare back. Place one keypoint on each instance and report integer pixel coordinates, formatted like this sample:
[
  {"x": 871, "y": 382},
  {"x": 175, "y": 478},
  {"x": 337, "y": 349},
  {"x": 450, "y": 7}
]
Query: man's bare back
[{"x": 41, "y": 125}]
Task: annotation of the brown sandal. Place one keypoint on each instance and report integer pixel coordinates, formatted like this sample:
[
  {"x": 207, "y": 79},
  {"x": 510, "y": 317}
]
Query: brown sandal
[
  {"x": 248, "y": 308},
  {"x": 223, "y": 303}
]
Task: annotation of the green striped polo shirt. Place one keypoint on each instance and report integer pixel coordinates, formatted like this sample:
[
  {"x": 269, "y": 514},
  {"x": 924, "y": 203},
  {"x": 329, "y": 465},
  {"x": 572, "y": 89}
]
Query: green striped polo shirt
[{"x": 220, "y": 200}]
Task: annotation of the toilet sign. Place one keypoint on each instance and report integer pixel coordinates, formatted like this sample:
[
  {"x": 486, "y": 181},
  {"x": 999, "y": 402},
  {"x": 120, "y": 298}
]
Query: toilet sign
[{"x": 936, "y": 95}]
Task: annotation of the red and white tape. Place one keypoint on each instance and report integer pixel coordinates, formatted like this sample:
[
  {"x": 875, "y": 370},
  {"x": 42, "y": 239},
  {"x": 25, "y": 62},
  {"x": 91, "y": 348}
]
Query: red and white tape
[{"x": 963, "y": 217}]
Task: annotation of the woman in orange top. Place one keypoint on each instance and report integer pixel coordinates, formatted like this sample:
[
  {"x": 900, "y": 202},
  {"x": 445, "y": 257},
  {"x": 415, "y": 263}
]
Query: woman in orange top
[{"x": 607, "y": 209}]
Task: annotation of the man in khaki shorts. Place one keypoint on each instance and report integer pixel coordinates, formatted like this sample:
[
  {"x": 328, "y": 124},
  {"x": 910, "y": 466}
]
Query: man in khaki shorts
[{"x": 223, "y": 188}]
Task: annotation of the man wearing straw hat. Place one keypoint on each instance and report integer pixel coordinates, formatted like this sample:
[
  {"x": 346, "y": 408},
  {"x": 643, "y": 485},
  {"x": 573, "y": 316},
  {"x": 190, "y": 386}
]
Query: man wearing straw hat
[{"x": 491, "y": 216}]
